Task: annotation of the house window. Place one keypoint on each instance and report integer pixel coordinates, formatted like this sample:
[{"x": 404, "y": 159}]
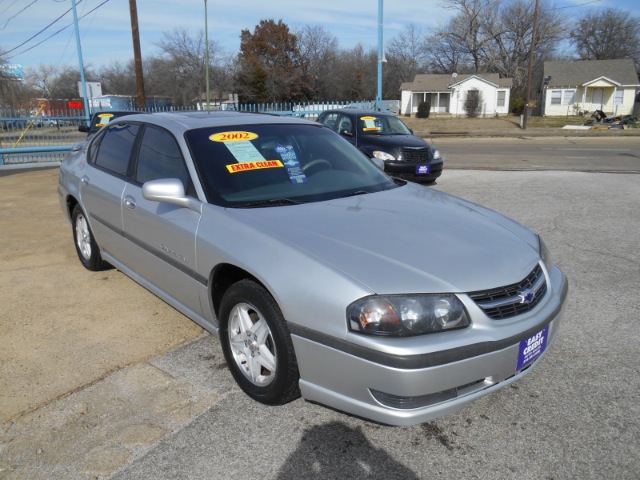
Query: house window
[
  {"x": 502, "y": 97},
  {"x": 563, "y": 97},
  {"x": 618, "y": 98},
  {"x": 568, "y": 97}
]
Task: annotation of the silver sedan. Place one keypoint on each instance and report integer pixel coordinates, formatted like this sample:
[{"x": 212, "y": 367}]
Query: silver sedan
[{"x": 322, "y": 276}]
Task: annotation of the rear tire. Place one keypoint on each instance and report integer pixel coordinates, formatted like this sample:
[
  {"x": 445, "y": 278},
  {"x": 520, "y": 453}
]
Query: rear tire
[
  {"x": 257, "y": 344},
  {"x": 86, "y": 246}
]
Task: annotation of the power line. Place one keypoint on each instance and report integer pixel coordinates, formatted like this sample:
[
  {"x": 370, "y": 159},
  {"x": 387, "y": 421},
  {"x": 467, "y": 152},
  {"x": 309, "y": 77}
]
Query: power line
[
  {"x": 52, "y": 35},
  {"x": 578, "y": 5},
  {"x": 14, "y": 16},
  {"x": 34, "y": 36}
]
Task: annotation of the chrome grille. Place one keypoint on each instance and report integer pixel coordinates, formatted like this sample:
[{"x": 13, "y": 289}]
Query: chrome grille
[
  {"x": 420, "y": 154},
  {"x": 506, "y": 302}
]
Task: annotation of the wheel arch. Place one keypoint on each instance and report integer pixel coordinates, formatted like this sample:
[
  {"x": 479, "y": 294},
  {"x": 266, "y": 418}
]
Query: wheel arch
[
  {"x": 70, "y": 203},
  {"x": 222, "y": 277}
]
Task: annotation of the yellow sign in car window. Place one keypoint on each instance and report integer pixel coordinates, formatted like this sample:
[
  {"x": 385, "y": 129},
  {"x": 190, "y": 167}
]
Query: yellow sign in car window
[
  {"x": 233, "y": 137},
  {"x": 104, "y": 119},
  {"x": 245, "y": 166},
  {"x": 370, "y": 124}
]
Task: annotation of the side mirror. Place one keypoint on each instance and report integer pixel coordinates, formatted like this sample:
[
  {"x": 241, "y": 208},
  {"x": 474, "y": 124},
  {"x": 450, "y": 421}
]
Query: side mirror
[
  {"x": 83, "y": 128},
  {"x": 170, "y": 190}
]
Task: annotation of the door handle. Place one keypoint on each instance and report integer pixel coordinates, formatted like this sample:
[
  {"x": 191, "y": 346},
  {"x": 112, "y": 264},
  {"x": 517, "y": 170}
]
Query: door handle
[{"x": 129, "y": 202}]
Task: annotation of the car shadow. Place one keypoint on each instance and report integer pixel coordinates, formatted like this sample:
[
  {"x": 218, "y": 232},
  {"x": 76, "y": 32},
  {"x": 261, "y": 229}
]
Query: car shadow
[{"x": 337, "y": 451}]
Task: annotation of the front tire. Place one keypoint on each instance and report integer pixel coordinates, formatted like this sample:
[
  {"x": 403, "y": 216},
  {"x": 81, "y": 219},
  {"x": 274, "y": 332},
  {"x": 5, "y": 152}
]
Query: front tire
[
  {"x": 257, "y": 344},
  {"x": 86, "y": 246}
]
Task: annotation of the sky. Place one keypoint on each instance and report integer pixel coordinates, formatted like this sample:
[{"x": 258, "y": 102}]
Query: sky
[{"x": 28, "y": 27}]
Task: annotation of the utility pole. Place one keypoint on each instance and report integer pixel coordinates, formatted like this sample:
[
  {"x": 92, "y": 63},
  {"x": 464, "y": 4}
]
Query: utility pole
[
  {"x": 380, "y": 57},
  {"x": 530, "y": 71},
  {"x": 135, "y": 33},
  {"x": 206, "y": 54},
  {"x": 83, "y": 81}
]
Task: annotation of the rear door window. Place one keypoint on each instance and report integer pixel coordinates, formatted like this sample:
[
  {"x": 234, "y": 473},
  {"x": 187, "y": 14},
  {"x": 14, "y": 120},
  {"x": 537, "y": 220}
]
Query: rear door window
[{"x": 116, "y": 147}]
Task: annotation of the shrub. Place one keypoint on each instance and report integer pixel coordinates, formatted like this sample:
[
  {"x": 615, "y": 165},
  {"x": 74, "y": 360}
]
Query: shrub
[
  {"x": 424, "y": 109},
  {"x": 473, "y": 103},
  {"x": 517, "y": 105}
]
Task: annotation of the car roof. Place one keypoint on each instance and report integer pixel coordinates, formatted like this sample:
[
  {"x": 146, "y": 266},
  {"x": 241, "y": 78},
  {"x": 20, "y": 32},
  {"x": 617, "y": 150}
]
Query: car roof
[
  {"x": 360, "y": 111},
  {"x": 182, "y": 121}
]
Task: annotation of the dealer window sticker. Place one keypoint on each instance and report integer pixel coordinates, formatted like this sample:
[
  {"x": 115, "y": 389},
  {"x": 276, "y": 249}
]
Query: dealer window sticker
[
  {"x": 105, "y": 118},
  {"x": 290, "y": 160},
  {"x": 370, "y": 124},
  {"x": 240, "y": 146}
]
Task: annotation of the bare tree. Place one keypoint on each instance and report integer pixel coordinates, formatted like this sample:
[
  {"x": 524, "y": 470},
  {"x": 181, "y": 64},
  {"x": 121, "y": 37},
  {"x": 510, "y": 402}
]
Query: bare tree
[
  {"x": 607, "y": 35},
  {"x": 511, "y": 31},
  {"x": 406, "y": 56},
  {"x": 319, "y": 53},
  {"x": 466, "y": 29},
  {"x": 119, "y": 78},
  {"x": 445, "y": 54},
  {"x": 495, "y": 37},
  {"x": 57, "y": 82},
  {"x": 358, "y": 71},
  {"x": 184, "y": 70}
]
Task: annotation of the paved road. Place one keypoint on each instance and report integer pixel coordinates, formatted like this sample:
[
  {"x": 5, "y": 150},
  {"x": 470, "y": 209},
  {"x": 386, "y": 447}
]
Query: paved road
[
  {"x": 180, "y": 416},
  {"x": 584, "y": 154}
]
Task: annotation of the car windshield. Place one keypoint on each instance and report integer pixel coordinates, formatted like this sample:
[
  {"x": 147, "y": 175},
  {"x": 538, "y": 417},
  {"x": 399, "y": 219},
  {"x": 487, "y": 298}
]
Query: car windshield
[
  {"x": 381, "y": 125},
  {"x": 280, "y": 164}
]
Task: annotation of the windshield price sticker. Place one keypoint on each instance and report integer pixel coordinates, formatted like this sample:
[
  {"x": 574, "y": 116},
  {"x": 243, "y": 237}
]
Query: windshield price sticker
[
  {"x": 246, "y": 166},
  {"x": 295, "y": 172},
  {"x": 370, "y": 124},
  {"x": 226, "y": 137},
  {"x": 104, "y": 119},
  {"x": 532, "y": 348}
]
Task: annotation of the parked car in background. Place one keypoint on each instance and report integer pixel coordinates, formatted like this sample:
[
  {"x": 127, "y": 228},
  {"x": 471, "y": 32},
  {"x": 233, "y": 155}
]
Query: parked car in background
[
  {"x": 322, "y": 276},
  {"x": 100, "y": 119},
  {"x": 385, "y": 137}
]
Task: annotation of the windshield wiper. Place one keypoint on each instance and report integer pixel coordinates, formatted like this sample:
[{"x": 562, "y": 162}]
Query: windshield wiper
[
  {"x": 274, "y": 202},
  {"x": 357, "y": 192}
]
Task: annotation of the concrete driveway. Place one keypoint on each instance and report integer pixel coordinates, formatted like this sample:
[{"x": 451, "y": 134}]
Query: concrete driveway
[{"x": 100, "y": 379}]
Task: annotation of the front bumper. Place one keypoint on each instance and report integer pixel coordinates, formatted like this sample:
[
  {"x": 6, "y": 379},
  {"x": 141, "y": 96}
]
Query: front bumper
[
  {"x": 410, "y": 389},
  {"x": 410, "y": 170}
]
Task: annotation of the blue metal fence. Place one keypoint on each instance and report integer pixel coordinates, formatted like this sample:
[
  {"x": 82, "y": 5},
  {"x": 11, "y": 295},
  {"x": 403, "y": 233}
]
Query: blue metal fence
[{"x": 26, "y": 139}]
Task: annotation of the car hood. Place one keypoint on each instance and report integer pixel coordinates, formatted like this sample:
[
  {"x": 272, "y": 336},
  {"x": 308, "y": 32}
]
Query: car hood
[
  {"x": 410, "y": 239},
  {"x": 392, "y": 141}
]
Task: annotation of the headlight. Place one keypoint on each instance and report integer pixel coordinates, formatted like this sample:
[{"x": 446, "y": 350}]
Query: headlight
[
  {"x": 383, "y": 155},
  {"x": 545, "y": 255},
  {"x": 406, "y": 315},
  {"x": 436, "y": 154}
]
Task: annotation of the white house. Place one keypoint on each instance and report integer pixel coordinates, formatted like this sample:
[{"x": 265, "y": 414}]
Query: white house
[
  {"x": 448, "y": 93},
  {"x": 578, "y": 87}
]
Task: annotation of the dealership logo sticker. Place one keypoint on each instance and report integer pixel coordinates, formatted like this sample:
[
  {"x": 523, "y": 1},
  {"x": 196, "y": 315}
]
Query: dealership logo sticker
[{"x": 532, "y": 347}]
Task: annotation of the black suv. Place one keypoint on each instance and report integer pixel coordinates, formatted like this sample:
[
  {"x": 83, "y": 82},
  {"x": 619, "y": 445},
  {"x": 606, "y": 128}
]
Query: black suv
[{"x": 386, "y": 137}]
